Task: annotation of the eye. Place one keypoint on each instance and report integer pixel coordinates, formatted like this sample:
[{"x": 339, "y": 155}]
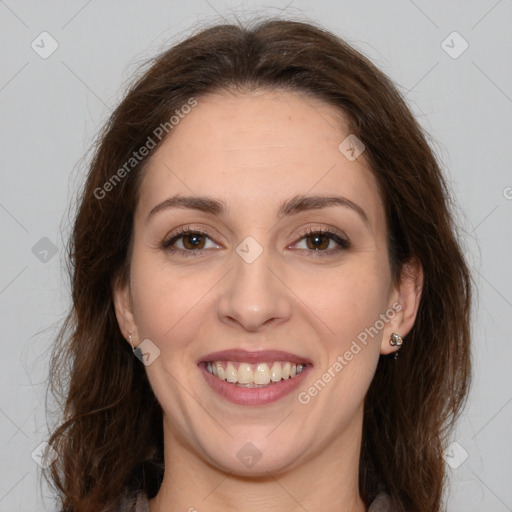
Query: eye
[
  {"x": 188, "y": 242},
  {"x": 192, "y": 242},
  {"x": 322, "y": 241}
]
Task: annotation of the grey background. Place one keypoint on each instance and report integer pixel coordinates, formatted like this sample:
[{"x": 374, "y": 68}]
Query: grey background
[{"x": 52, "y": 108}]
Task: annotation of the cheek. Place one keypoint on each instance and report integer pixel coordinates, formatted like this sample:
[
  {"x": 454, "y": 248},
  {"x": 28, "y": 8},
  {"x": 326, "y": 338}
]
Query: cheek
[
  {"x": 352, "y": 310},
  {"x": 348, "y": 299},
  {"x": 164, "y": 299}
]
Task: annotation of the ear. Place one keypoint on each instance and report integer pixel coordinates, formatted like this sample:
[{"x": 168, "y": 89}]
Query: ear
[
  {"x": 404, "y": 301},
  {"x": 123, "y": 306}
]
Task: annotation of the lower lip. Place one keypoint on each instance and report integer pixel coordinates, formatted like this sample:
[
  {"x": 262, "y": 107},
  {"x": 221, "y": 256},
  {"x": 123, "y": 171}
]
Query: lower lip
[{"x": 254, "y": 396}]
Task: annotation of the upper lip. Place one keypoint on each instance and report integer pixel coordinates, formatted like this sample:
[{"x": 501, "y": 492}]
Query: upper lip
[{"x": 261, "y": 356}]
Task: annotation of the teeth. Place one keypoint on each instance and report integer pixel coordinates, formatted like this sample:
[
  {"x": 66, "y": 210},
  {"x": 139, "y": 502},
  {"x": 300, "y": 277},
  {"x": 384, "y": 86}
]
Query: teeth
[
  {"x": 231, "y": 373},
  {"x": 275, "y": 372},
  {"x": 262, "y": 374},
  {"x": 285, "y": 372},
  {"x": 220, "y": 371},
  {"x": 259, "y": 375},
  {"x": 245, "y": 374}
]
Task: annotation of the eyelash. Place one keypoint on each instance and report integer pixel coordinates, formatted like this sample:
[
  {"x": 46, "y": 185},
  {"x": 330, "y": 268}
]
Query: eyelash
[{"x": 343, "y": 243}]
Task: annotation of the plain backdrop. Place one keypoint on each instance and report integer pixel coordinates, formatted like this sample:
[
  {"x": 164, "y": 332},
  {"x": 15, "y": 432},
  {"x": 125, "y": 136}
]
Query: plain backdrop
[{"x": 64, "y": 67}]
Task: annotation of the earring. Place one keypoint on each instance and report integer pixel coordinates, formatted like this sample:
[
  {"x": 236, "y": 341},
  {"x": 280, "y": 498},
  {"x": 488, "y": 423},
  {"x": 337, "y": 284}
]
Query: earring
[
  {"x": 396, "y": 340},
  {"x": 137, "y": 352}
]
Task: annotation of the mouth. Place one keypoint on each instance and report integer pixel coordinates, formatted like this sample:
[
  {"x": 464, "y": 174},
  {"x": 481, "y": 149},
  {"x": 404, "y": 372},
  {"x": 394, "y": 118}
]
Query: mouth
[
  {"x": 253, "y": 378},
  {"x": 259, "y": 375}
]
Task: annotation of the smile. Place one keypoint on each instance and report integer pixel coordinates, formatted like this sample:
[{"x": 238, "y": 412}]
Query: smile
[
  {"x": 255, "y": 375},
  {"x": 254, "y": 378}
]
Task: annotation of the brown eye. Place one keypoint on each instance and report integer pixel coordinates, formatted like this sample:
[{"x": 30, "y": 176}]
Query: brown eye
[
  {"x": 189, "y": 243},
  {"x": 317, "y": 242},
  {"x": 322, "y": 242},
  {"x": 194, "y": 241}
]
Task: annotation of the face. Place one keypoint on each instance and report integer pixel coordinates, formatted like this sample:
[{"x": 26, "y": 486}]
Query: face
[{"x": 257, "y": 237}]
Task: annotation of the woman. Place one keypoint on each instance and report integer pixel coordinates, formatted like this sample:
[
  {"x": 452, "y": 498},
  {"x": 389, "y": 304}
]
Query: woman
[{"x": 262, "y": 228}]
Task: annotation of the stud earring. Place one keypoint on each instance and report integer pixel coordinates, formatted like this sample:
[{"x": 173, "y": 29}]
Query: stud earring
[
  {"x": 396, "y": 340},
  {"x": 130, "y": 339}
]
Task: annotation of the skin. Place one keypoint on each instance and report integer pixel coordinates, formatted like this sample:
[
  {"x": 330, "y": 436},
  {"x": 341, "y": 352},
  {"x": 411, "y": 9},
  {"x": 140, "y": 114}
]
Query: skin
[{"x": 254, "y": 151}]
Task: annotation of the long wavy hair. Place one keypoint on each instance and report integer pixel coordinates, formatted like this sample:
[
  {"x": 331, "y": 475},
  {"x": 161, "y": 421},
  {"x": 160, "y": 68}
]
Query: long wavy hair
[{"x": 109, "y": 437}]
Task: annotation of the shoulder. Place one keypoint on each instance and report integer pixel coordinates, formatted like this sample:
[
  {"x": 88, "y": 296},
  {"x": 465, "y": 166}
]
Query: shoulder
[
  {"x": 382, "y": 503},
  {"x": 132, "y": 501}
]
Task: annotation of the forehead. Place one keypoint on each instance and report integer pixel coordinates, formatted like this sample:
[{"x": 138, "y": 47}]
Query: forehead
[{"x": 258, "y": 148}]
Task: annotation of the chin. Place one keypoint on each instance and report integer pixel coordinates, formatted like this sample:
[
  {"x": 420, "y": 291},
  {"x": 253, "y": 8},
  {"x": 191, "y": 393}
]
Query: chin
[{"x": 255, "y": 456}]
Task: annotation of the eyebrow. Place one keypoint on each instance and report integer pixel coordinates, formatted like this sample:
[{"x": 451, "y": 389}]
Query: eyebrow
[{"x": 292, "y": 206}]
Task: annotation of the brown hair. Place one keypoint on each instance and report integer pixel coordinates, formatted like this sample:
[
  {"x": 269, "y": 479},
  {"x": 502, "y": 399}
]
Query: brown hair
[{"x": 110, "y": 438}]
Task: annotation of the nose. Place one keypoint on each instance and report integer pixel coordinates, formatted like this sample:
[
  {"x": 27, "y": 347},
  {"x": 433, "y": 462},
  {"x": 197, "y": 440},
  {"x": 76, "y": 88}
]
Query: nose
[{"x": 253, "y": 297}]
